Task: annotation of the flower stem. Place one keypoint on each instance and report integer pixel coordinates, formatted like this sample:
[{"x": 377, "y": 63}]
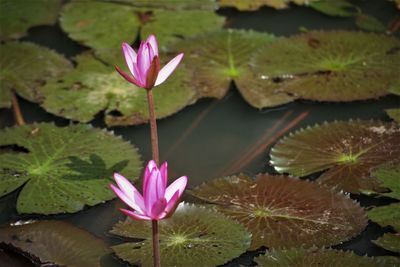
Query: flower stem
[
  {"x": 156, "y": 244},
  {"x": 19, "y": 119},
  {"x": 153, "y": 127}
]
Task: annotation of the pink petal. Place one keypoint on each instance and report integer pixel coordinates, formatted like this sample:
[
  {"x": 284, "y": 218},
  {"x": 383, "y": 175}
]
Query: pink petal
[
  {"x": 130, "y": 57},
  {"x": 128, "y": 200},
  {"x": 158, "y": 209},
  {"x": 149, "y": 168},
  {"x": 150, "y": 194},
  {"x": 153, "y": 42},
  {"x": 143, "y": 61},
  {"x": 164, "y": 173},
  {"x": 135, "y": 215},
  {"x": 128, "y": 78},
  {"x": 172, "y": 204},
  {"x": 177, "y": 185},
  {"x": 168, "y": 69},
  {"x": 129, "y": 190}
]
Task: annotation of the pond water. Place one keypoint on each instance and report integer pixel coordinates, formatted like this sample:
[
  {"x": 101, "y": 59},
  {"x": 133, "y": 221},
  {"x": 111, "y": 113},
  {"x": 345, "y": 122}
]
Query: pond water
[{"x": 214, "y": 138}]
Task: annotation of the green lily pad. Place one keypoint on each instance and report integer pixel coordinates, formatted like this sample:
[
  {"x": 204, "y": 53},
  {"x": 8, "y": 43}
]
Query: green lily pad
[
  {"x": 283, "y": 212},
  {"x": 316, "y": 258},
  {"x": 93, "y": 87},
  {"x": 193, "y": 236},
  {"x": 62, "y": 169},
  {"x": 25, "y": 67},
  {"x": 256, "y": 4},
  {"x": 218, "y": 58},
  {"x": 173, "y": 4},
  {"x": 386, "y": 215},
  {"x": 390, "y": 178},
  {"x": 55, "y": 242},
  {"x": 340, "y": 8},
  {"x": 369, "y": 23},
  {"x": 17, "y": 16},
  {"x": 330, "y": 66},
  {"x": 394, "y": 113},
  {"x": 348, "y": 151},
  {"x": 389, "y": 242}
]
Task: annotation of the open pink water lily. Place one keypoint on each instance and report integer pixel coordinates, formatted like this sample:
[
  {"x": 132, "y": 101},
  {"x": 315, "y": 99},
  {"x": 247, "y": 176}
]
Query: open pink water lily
[
  {"x": 145, "y": 65},
  {"x": 158, "y": 200}
]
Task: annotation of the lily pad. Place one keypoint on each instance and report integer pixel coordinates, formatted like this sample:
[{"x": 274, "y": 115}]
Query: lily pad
[
  {"x": 386, "y": 215},
  {"x": 369, "y": 23},
  {"x": 316, "y": 258},
  {"x": 25, "y": 67},
  {"x": 389, "y": 242},
  {"x": 17, "y": 16},
  {"x": 340, "y": 8},
  {"x": 330, "y": 66},
  {"x": 346, "y": 151},
  {"x": 173, "y": 4},
  {"x": 193, "y": 236},
  {"x": 62, "y": 169},
  {"x": 256, "y": 4},
  {"x": 390, "y": 178},
  {"x": 394, "y": 113},
  {"x": 221, "y": 57},
  {"x": 55, "y": 242},
  {"x": 93, "y": 87},
  {"x": 283, "y": 212}
]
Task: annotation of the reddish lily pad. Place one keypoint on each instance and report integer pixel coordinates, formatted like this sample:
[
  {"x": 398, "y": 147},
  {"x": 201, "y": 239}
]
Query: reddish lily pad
[
  {"x": 62, "y": 170},
  {"x": 330, "y": 66},
  {"x": 256, "y": 4},
  {"x": 389, "y": 242},
  {"x": 283, "y": 212},
  {"x": 193, "y": 236},
  {"x": 55, "y": 242},
  {"x": 93, "y": 87},
  {"x": 25, "y": 67},
  {"x": 317, "y": 258},
  {"x": 348, "y": 151},
  {"x": 216, "y": 59}
]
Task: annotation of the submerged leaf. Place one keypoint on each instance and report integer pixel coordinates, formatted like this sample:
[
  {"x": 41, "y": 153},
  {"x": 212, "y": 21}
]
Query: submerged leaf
[
  {"x": 394, "y": 113},
  {"x": 348, "y": 151},
  {"x": 329, "y": 66},
  {"x": 369, "y": 23},
  {"x": 386, "y": 215},
  {"x": 389, "y": 242},
  {"x": 285, "y": 212},
  {"x": 193, "y": 236},
  {"x": 315, "y": 258},
  {"x": 93, "y": 87},
  {"x": 17, "y": 16},
  {"x": 62, "y": 169},
  {"x": 55, "y": 242},
  {"x": 25, "y": 67}
]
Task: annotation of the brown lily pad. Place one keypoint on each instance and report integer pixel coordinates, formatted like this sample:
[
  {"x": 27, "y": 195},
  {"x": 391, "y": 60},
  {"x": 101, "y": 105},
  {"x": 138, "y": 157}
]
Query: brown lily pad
[{"x": 283, "y": 212}]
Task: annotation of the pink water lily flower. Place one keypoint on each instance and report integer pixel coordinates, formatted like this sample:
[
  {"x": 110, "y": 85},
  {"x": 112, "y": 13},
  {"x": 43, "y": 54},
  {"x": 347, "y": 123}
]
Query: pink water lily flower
[
  {"x": 145, "y": 65},
  {"x": 158, "y": 200}
]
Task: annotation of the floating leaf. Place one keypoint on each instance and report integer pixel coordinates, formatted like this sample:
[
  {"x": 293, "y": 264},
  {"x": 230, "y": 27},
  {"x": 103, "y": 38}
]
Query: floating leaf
[
  {"x": 389, "y": 242},
  {"x": 285, "y": 212},
  {"x": 93, "y": 87},
  {"x": 256, "y": 4},
  {"x": 25, "y": 67},
  {"x": 218, "y": 58},
  {"x": 394, "y": 113},
  {"x": 193, "y": 236},
  {"x": 316, "y": 258},
  {"x": 17, "y": 16},
  {"x": 330, "y": 66},
  {"x": 173, "y": 4},
  {"x": 369, "y": 23},
  {"x": 62, "y": 169},
  {"x": 347, "y": 150},
  {"x": 341, "y": 8},
  {"x": 55, "y": 242},
  {"x": 386, "y": 215},
  {"x": 390, "y": 178}
]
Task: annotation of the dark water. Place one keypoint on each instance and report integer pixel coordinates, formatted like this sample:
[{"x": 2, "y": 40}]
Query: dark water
[{"x": 213, "y": 138}]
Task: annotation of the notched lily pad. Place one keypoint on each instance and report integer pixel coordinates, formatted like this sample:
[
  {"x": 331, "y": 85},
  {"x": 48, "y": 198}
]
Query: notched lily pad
[
  {"x": 389, "y": 242},
  {"x": 55, "y": 242},
  {"x": 315, "y": 258},
  {"x": 256, "y": 4},
  {"x": 386, "y": 216},
  {"x": 62, "y": 169},
  {"x": 93, "y": 87},
  {"x": 17, "y": 16},
  {"x": 348, "y": 151},
  {"x": 283, "y": 212},
  {"x": 25, "y": 67},
  {"x": 193, "y": 236},
  {"x": 330, "y": 66},
  {"x": 394, "y": 113},
  {"x": 219, "y": 58}
]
